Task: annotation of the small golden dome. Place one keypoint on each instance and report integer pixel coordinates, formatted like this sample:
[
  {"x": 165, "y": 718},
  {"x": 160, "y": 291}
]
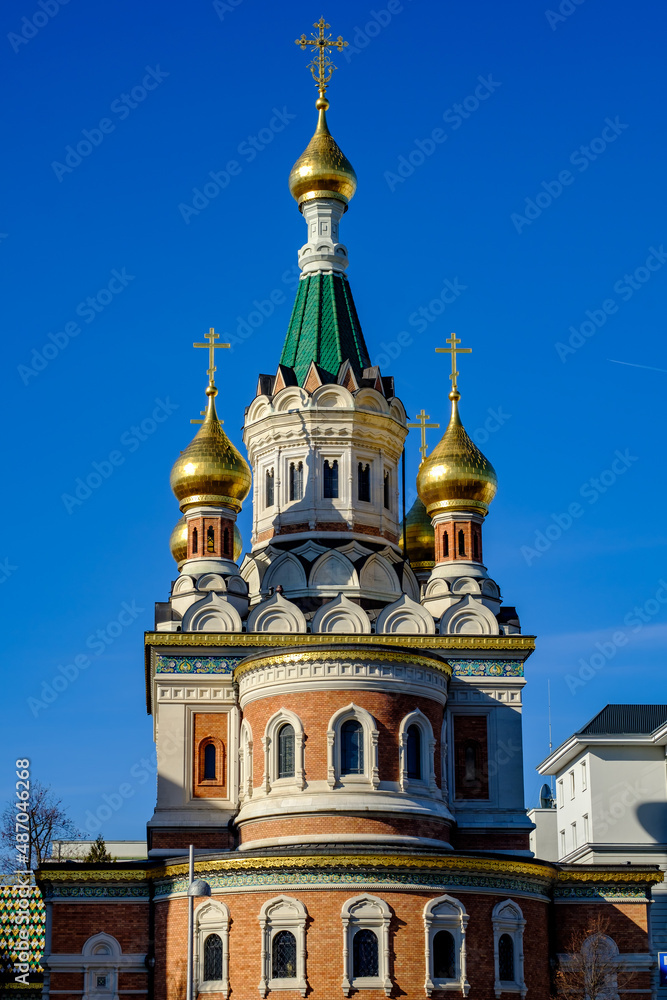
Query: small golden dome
[
  {"x": 456, "y": 475},
  {"x": 322, "y": 169},
  {"x": 420, "y": 537},
  {"x": 210, "y": 470},
  {"x": 178, "y": 542}
]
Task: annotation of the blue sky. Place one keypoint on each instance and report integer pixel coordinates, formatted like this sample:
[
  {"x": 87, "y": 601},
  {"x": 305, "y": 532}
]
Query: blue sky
[{"x": 540, "y": 200}]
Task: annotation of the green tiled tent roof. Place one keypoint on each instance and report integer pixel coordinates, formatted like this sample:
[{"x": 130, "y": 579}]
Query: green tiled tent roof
[
  {"x": 10, "y": 942},
  {"x": 324, "y": 328}
]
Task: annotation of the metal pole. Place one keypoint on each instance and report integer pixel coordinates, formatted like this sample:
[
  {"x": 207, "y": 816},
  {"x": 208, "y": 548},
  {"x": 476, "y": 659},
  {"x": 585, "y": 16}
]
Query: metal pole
[
  {"x": 405, "y": 536},
  {"x": 191, "y": 921}
]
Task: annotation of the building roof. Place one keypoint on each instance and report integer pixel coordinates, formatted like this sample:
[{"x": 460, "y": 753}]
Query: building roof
[
  {"x": 614, "y": 725},
  {"x": 12, "y": 903},
  {"x": 621, "y": 720},
  {"x": 324, "y": 327}
]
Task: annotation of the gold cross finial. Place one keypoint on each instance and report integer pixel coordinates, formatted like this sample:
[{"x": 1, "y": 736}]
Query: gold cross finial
[
  {"x": 211, "y": 337},
  {"x": 453, "y": 340},
  {"x": 422, "y": 417},
  {"x": 321, "y": 66}
]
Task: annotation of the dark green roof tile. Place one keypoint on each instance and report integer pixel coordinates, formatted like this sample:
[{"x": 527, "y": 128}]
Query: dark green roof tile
[{"x": 324, "y": 327}]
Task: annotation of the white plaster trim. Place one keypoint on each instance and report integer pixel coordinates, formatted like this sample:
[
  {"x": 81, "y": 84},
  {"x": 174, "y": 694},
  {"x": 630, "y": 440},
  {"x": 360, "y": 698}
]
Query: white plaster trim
[
  {"x": 453, "y": 919},
  {"x": 366, "y": 912}
]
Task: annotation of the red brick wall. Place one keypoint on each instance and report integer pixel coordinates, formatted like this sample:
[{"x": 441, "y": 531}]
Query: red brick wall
[
  {"x": 333, "y": 825},
  {"x": 325, "y": 937},
  {"x": 215, "y": 839},
  {"x": 210, "y": 726},
  {"x": 315, "y": 710},
  {"x": 74, "y": 923},
  {"x": 471, "y": 729}
]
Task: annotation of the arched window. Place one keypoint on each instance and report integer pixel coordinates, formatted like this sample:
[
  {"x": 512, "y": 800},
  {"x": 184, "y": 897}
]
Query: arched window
[
  {"x": 268, "y": 489},
  {"x": 227, "y": 548},
  {"x": 195, "y": 541},
  {"x": 286, "y": 751},
  {"x": 283, "y": 956},
  {"x": 462, "y": 544},
  {"x": 351, "y": 747},
  {"x": 508, "y": 926},
  {"x": 283, "y": 925},
  {"x": 387, "y": 490},
  {"x": 444, "y": 956},
  {"x": 296, "y": 481},
  {"x": 210, "y": 539},
  {"x": 365, "y": 957},
  {"x": 475, "y": 546},
  {"x": 330, "y": 484},
  {"x": 364, "y": 481},
  {"x": 445, "y": 921},
  {"x": 213, "y": 958},
  {"x": 506, "y": 958},
  {"x": 414, "y": 753},
  {"x": 210, "y": 762},
  {"x": 446, "y": 543}
]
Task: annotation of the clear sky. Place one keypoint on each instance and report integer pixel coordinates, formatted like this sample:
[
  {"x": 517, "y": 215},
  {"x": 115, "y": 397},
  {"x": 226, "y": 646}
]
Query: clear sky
[{"x": 511, "y": 171}]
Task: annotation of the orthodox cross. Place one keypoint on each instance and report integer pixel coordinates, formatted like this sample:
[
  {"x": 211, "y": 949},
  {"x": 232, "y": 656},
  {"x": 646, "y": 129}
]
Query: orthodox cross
[
  {"x": 321, "y": 67},
  {"x": 422, "y": 417},
  {"x": 211, "y": 337},
  {"x": 453, "y": 350}
]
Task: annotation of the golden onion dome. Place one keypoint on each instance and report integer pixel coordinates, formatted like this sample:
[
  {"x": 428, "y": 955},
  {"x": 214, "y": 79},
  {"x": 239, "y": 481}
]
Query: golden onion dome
[
  {"x": 419, "y": 536},
  {"x": 178, "y": 542},
  {"x": 322, "y": 170},
  {"x": 210, "y": 470},
  {"x": 456, "y": 475}
]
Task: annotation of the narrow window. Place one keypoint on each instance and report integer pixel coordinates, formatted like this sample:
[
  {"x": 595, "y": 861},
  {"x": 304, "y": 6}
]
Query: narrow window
[
  {"x": 414, "y": 753},
  {"x": 444, "y": 956},
  {"x": 286, "y": 751},
  {"x": 365, "y": 959},
  {"x": 446, "y": 541},
  {"x": 387, "y": 490},
  {"x": 330, "y": 479},
  {"x": 195, "y": 541},
  {"x": 296, "y": 481},
  {"x": 209, "y": 762},
  {"x": 562, "y": 843},
  {"x": 462, "y": 544},
  {"x": 283, "y": 956},
  {"x": 471, "y": 761},
  {"x": 475, "y": 546},
  {"x": 364, "y": 481},
  {"x": 212, "y": 958},
  {"x": 210, "y": 540},
  {"x": 586, "y": 834},
  {"x": 560, "y": 792},
  {"x": 574, "y": 835},
  {"x": 228, "y": 551},
  {"x": 572, "y": 784},
  {"x": 506, "y": 958},
  {"x": 268, "y": 493},
  {"x": 351, "y": 747},
  {"x": 584, "y": 782}
]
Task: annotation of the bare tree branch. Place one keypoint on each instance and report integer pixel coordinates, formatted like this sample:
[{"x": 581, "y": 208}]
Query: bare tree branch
[{"x": 47, "y": 821}]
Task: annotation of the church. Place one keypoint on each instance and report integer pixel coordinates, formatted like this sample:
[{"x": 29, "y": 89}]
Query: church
[{"x": 338, "y": 712}]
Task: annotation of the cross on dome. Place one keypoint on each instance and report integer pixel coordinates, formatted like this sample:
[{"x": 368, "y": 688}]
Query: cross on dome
[
  {"x": 453, "y": 340},
  {"x": 422, "y": 417},
  {"x": 211, "y": 337},
  {"x": 321, "y": 66}
]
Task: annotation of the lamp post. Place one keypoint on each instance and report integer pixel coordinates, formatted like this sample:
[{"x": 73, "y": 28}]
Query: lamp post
[{"x": 196, "y": 887}]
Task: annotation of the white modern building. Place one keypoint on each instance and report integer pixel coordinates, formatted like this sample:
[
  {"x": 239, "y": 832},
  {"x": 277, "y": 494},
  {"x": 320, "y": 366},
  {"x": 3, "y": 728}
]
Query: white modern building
[{"x": 611, "y": 799}]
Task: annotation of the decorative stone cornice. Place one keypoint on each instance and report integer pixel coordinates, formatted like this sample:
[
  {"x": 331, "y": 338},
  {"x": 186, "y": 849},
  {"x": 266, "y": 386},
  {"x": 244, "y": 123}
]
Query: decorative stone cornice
[
  {"x": 272, "y": 659},
  {"x": 505, "y": 643}
]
